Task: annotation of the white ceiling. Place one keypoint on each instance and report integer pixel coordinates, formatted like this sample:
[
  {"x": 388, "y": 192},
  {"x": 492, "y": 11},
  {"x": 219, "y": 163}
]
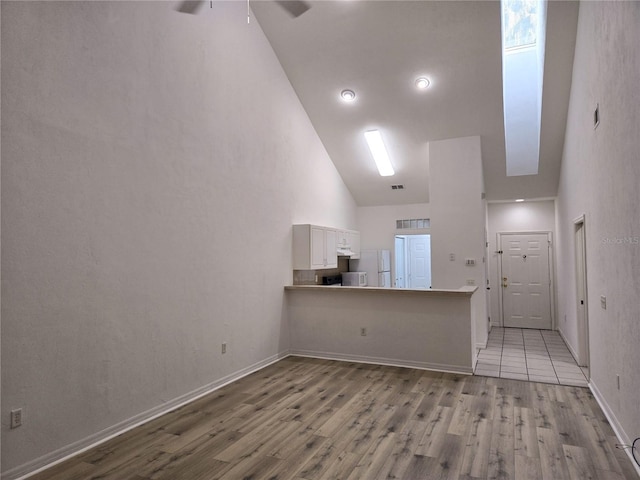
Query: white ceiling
[{"x": 378, "y": 49}]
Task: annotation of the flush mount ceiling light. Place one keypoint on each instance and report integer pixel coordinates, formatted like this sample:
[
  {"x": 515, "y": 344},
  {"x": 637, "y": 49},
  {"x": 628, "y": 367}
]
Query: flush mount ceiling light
[
  {"x": 422, "y": 83},
  {"x": 519, "y": 199},
  {"x": 348, "y": 95},
  {"x": 379, "y": 152}
]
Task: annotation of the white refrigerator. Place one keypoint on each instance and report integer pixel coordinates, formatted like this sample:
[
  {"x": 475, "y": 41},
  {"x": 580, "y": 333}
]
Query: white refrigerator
[{"x": 377, "y": 264}]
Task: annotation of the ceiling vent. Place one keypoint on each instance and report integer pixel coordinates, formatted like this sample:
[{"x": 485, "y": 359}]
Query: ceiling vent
[{"x": 397, "y": 187}]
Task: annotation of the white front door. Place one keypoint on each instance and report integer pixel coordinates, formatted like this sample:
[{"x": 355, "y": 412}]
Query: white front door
[
  {"x": 419, "y": 261},
  {"x": 526, "y": 283}
]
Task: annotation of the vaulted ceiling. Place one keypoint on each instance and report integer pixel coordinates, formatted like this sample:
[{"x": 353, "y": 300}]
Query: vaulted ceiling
[{"x": 378, "y": 49}]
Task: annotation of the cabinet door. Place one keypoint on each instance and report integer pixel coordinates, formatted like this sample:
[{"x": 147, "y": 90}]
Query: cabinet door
[
  {"x": 331, "y": 253},
  {"x": 318, "y": 249},
  {"x": 342, "y": 238},
  {"x": 353, "y": 239}
]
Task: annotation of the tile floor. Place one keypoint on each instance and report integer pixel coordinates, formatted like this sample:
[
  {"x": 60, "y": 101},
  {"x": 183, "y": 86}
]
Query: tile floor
[{"x": 526, "y": 354}]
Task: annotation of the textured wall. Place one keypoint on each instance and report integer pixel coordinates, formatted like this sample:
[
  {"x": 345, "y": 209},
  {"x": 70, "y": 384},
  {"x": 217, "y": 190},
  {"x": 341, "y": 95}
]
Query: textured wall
[
  {"x": 458, "y": 215},
  {"x": 153, "y": 164},
  {"x": 600, "y": 178},
  {"x": 377, "y": 225}
]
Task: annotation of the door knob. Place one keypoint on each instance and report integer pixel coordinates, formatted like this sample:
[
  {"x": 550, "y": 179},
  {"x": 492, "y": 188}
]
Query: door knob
[{"x": 504, "y": 282}]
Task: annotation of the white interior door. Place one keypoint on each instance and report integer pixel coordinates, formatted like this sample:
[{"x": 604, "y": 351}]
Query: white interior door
[
  {"x": 526, "y": 282},
  {"x": 419, "y": 261}
]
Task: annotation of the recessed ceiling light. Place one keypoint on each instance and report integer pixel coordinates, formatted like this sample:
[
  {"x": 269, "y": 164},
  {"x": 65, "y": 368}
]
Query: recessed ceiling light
[
  {"x": 348, "y": 95},
  {"x": 422, "y": 83},
  {"x": 519, "y": 199}
]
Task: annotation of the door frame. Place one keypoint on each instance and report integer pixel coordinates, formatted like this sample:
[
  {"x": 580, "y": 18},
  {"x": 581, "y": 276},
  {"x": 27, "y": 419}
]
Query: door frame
[
  {"x": 582, "y": 324},
  {"x": 407, "y": 258},
  {"x": 397, "y": 260},
  {"x": 552, "y": 272}
]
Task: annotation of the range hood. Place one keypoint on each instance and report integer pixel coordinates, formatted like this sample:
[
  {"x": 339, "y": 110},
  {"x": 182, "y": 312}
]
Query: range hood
[{"x": 345, "y": 251}]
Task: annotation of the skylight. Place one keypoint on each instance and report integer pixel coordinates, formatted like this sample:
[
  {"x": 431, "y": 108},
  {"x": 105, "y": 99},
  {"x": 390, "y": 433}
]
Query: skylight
[
  {"x": 519, "y": 23},
  {"x": 523, "y": 40}
]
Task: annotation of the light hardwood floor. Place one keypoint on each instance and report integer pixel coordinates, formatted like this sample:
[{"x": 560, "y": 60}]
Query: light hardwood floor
[{"x": 310, "y": 419}]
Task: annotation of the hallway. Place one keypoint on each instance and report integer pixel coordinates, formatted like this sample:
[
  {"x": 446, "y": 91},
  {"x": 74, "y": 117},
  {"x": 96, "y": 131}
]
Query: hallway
[{"x": 526, "y": 354}]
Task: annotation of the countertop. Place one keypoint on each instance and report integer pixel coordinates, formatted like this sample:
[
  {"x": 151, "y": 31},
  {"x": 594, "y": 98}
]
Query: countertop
[{"x": 462, "y": 291}]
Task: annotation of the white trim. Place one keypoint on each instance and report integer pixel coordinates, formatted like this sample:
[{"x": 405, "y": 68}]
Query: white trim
[
  {"x": 613, "y": 421},
  {"x": 392, "y": 362},
  {"x": 552, "y": 272},
  {"x": 582, "y": 329},
  {"x": 572, "y": 351},
  {"x": 57, "y": 456}
]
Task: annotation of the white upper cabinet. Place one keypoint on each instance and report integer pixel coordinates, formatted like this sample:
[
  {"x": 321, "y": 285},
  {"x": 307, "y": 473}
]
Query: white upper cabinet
[
  {"x": 314, "y": 247},
  {"x": 349, "y": 241},
  {"x": 353, "y": 241}
]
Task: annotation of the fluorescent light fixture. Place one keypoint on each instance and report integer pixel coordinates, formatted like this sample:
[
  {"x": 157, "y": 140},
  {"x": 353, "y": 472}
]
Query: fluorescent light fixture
[
  {"x": 519, "y": 199},
  {"x": 379, "y": 152},
  {"x": 348, "y": 95}
]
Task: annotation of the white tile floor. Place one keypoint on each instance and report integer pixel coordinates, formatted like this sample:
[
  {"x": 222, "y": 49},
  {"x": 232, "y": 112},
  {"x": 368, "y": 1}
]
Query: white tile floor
[{"x": 526, "y": 354}]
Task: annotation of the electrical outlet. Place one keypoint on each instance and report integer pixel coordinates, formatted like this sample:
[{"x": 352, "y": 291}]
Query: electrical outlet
[
  {"x": 224, "y": 348},
  {"x": 452, "y": 257},
  {"x": 363, "y": 332},
  {"x": 16, "y": 418}
]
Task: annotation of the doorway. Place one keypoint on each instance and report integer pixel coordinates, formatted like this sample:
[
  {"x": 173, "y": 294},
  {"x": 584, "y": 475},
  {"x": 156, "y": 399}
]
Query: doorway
[
  {"x": 526, "y": 280},
  {"x": 581, "y": 292},
  {"x": 413, "y": 261}
]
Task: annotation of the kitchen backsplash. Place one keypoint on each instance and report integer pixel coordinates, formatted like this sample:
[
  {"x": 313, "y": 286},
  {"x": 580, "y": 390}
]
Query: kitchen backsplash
[{"x": 308, "y": 277}]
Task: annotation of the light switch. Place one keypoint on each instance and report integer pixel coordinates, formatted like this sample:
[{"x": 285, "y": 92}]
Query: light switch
[
  {"x": 603, "y": 302},
  {"x": 452, "y": 257}
]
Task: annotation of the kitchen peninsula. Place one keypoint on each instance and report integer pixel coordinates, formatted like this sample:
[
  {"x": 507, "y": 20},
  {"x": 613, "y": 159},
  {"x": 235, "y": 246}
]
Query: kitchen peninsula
[{"x": 431, "y": 329}]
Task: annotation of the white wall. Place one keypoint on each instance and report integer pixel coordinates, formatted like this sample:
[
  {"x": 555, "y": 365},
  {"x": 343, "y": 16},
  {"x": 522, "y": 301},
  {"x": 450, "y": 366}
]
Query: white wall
[
  {"x": 530, "y": 216},
  {"x": 600, "y": 178},
  {"x": 458, "y": 217},
  {"x": 377, "y": 225},
  {"x": 153, "y": 164}
]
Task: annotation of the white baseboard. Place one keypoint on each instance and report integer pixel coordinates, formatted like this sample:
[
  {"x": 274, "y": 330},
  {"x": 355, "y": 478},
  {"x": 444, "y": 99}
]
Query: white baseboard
[
  {"x": 342, "y": 357},
  {"x": 574, "y": 354},
  {"x": 621, "y": 435},
  {"x": 47, "y": 461}
]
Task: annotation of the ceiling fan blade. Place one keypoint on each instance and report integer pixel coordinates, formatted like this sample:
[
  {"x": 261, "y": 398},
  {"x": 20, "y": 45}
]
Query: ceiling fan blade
[
  {"x": 294, "y": 7},
  {"x": 190, "y": 6}
]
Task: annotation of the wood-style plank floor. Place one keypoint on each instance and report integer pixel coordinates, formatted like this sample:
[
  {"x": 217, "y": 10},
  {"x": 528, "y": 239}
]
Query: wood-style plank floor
[{"x": 310, "y": 419}]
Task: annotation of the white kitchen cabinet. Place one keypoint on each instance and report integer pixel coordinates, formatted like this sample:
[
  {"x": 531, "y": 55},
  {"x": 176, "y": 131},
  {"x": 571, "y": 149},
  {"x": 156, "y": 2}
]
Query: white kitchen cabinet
[
  {"x": 353, "y": 240},
  {"x": 349, "y": 240},
  {"x": 314, "y": 247},
  {"x": 342, "y": 238}
]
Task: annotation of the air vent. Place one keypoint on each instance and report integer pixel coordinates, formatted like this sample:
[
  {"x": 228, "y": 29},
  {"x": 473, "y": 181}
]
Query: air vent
[
  {"x": 397, "y": 187},
  {"x": 413, "y": 224}
]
